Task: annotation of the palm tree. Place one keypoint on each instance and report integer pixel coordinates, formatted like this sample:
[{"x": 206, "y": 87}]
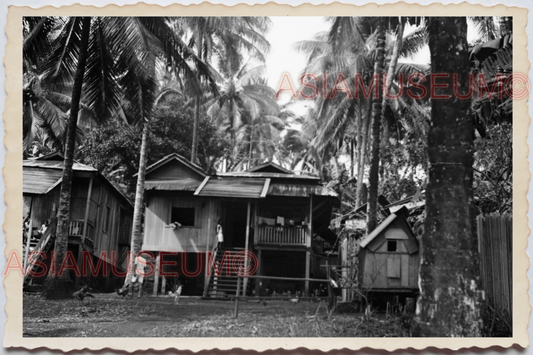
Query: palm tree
[
  {"x": 343, "y": 50},
  {"x": 450, "y": 250},
  {"x": 351, "y": 47},
  {"x": 55, "y": 287},
  {"x": 243, "y": 100},
  {"x": 227, "y": 38},
  {"x": 110, "y": 59},
  {"x": 44, "y": 109}
]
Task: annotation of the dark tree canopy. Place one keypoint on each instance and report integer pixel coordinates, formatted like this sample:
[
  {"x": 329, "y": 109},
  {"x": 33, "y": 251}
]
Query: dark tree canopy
[{"x": 114, "y": 148}]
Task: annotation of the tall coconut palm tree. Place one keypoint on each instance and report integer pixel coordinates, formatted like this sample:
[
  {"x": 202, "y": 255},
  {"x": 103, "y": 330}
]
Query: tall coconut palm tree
[
  {"x": 350, "y": 48},
  {"x": 224, "y": 37},
  {"x": 44, "y": 109},
  {"x": 243, "y": 100},
  {"x": 108, "y": 59}
]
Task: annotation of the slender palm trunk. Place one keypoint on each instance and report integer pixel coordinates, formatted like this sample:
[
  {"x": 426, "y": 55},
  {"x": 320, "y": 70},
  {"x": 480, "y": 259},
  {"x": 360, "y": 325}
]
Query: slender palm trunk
[
  {"x": 194, "y": 150},
  {"x": 58, "y": 287},
  {"x": 394, "y": 60},
  {"x": 360, "y": 199},
  {"x": 137, "y": 232},
  {"x": 449, "y": 303},
  {"x": 250, "y": 152},
  {"x": 376, "y": 131},
  {"x": 352, "y": 157}
]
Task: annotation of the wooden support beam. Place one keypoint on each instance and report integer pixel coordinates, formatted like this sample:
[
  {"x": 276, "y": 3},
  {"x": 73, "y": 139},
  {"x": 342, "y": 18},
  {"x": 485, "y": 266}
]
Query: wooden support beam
[
  {"x": 308, "y": 244},
  {"x": 265, "y": 188},
  {"x": 246, "y": 245},
  {"x": 344, "y": 263},
  {"x": 201, "y": 186},
  {"x": 157, "y": 272},
  {"x": 29, "y": 234},
  {"x": 258, "y": 285},
  {"x": 79, "y": 261},
  {"x": 164, "y": 285},
  {"x": 319, "y": 205},
  {"x": 307, "y": 271}
]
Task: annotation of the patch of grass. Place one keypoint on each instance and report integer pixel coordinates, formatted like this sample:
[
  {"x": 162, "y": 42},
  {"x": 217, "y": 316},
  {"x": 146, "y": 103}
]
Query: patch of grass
[{"x": 110, "y": 316}]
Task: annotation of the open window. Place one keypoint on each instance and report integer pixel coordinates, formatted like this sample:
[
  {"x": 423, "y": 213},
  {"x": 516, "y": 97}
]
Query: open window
[
  {"x": 184, "y": 215},
  {"x": 392, "y": 245}
]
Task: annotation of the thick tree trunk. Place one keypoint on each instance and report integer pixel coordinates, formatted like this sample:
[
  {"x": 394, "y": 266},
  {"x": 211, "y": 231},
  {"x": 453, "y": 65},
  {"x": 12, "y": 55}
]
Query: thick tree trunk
[
  {"x": 376, "y": 131},
  {"x": 137, "y": 232},
  {"x": 449, "y": 304},
  {"x": 57, "y": 286}
]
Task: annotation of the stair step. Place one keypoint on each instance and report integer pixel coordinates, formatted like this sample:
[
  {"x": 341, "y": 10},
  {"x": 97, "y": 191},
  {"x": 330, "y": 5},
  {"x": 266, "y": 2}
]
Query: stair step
[{"x": 224, "y": 285}]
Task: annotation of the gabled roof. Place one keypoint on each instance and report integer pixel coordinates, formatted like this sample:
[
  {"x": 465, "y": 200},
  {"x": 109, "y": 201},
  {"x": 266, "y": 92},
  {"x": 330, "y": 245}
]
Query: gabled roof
[
  {"x": 41, "y": 175},
  {"x": 270, "y": 167},
  {"x": 366, "y": 240},
  {"x": 38, "y": 181},
  {"x": 174, "y": 156},
  {"x": 383, "y": 225}
]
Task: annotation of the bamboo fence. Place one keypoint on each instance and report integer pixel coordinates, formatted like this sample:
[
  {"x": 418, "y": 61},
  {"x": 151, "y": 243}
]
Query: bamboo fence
[{"x": 495, "y": 235}]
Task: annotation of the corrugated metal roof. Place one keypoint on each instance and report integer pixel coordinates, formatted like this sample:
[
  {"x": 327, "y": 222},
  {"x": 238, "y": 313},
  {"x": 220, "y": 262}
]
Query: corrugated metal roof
[
  {"x": 37, "y": 176},
  {"x": 299, "y": 190},
  {"x": 232, "y": 187},
  {"x": 55, "y": 164},
  {"x": 172, "y": 185},
  {"x": 38, "y": 180},
  {"x": 269, "y": 175}
]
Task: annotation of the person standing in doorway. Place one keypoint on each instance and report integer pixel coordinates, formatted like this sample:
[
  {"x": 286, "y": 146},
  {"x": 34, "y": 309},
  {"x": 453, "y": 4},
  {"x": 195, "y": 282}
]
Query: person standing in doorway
[{"x": 220, "y": 235}]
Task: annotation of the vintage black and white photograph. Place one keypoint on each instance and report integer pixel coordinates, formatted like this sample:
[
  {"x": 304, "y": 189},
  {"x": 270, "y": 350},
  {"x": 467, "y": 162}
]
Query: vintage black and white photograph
[{"x": 272, "y": 177}]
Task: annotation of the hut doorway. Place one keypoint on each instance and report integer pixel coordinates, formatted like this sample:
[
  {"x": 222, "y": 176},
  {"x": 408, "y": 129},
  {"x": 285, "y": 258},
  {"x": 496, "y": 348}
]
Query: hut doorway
[{"x": 234, "y": 223}]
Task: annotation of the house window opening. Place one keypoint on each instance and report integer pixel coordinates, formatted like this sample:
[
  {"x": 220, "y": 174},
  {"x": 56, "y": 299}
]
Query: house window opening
[
  {"x": 392, "y": 245},
  {"x": 184, "y": 215}
]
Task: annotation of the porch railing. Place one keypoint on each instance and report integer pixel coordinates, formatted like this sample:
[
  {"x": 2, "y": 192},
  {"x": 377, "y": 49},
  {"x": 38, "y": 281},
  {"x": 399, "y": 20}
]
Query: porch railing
[
  {"x": 75, "y": 229},
  {"x": 283, "y": 235}
]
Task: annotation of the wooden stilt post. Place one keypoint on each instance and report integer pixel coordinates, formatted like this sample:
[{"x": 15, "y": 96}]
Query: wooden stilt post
[
  {"x": 29, "y": 234},
  {"x": 79, "y": 261},
  {"x": 344, "y": 264},
  {"x": 247, "y": 246},
  {"x": 156, "y": 276},
  {"x": 259, "y": 283},
  {"x": 307, "y": 271},
  {"x": 163, "y": 285},
  {"x": 237, "y": 297},
  {"x": 308, "y": 251}
]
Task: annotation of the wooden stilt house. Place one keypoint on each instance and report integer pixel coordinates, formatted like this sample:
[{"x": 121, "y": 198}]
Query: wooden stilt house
[
  {"x": 389, "y": 257},
  {"x": 281, "y": 217},
  {"x": 99, "y": 224}
]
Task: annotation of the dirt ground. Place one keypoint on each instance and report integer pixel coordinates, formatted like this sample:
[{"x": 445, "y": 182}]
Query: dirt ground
[{"x": 108, "y": 315}]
